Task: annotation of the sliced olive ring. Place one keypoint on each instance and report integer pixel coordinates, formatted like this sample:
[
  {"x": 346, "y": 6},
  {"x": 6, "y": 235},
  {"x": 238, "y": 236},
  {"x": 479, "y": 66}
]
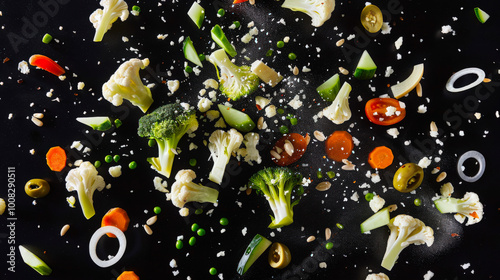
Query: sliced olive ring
[
  {"x": 371, "y": 18},
  {"x": 279, "y": 255},
  {"x": 37, "y": 188},
  {"x": 408, "y": 177}
]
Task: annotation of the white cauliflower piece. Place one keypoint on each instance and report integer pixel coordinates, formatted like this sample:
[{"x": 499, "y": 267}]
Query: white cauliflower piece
[{"x": 102, "y": 19}]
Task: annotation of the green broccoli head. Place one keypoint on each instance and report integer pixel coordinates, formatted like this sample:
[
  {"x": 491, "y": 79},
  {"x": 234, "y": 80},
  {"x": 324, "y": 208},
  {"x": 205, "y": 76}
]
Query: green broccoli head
[
  {"x": 235, "y": 81},
  {"x": 167, "y": 125},
  {"x": 282, "y": 188}
]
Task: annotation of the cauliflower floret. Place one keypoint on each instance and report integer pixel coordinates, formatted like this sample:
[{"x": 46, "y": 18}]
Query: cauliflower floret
[
  {"x": 446, "y": 190},
  {"x": 319, "y": 10},
  {"x": 115, "y": 171},
  {"x": 378, "y": 276},
  {"x": 222, "y": 144},
  {"x": 102, "y": 19},
  {"x": 377, "y": 203},
  {"x": 468, "y": 206},
  {"x": 339, "y": 111},
  {"x": 204, "y": 104},
  {"x": 213, "y": 114},
  {"x": 184, "y": 190},
  {"x": 251, "y": 140},
  {"x": 160, "y": 185}
]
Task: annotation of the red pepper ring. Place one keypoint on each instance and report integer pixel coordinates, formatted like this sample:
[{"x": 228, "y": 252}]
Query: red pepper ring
[{"x": 47, "y": 64}]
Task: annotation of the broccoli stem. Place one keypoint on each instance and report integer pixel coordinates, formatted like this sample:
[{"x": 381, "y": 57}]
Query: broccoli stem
[
  {"x": 165, "y": 160},
  {"x": 86, "y": 203}
]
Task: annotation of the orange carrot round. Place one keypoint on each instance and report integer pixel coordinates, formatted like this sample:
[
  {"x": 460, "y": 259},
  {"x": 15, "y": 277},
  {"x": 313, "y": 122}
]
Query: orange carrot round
[
  {"x": 128, "y": 275},
  {"x": 380, "y": 158},
  {"x": 239, "y": 1},
  {"x": 339, "y": 145},
  {"x": 116, "y": 217},
  {"x": 56, "y": 158}
]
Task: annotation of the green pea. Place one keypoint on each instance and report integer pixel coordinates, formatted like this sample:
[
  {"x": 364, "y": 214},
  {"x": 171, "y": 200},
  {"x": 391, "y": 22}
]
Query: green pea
[
  {"x": 329, "y": 245},
  {"x": 236, "y": 24},
  {"x": 47, "y": 38},
  {"x": 132, "y": 165},
  {"x": 192, "y": 241},
  {"x": 198, "y": 211},
  {"x": 224, "y": 221},
  {"x": 136, "y": 8},
  {"x": 201, "y": 232},
  {"x": 188, "y": 69},
  {"x": 212, "y": 271},
  {"x": 157, "y": 210},
  {"x": 192, "y": 162},
  {"x": 284, "y": 129},
  {"x": 97, "y": 163},
  {"x": 369, "y": 196},
  {"x": 292, "y": 56},
  {"x": 221, "y": 12},
  {"x": 179, "y": 244},
  {"x": 269, "y": 53},
  {"x": 280, "y": 111},
  {"x": 319, "y": 174},
  {"x": 330, "y": 174},
  {"x": 118, "y": 123},
  {"x": 195, "y": 227},
  {"x": 201, "y": 57},
  {"x": 116, "y": 158},
  {"x": 417, "y": 202},
  {"x": 339, "y": 226},
  {"x": 151, "y": 142},
  {"x": 280, "y": 44},
  {"x": 108, "y": 158},
  {"x": 294, "y": 121}
]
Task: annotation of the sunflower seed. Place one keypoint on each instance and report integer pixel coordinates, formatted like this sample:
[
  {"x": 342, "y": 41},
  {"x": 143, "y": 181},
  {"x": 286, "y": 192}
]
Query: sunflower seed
[
  {"x": 340, "y": 42},
  {"x": 38, "y": 115},
  {"x": 323, "y": 186},
  {"x": 343, "y": 71},
  {"x": 275, "y": 155},
  {"x": 151, "y": 220},
  {"x": 348, "y": 165},
  {"x": 64, "y": 229},
  {"x": 36, "y": 121},
  {"x": 419, "y": 90},
  {"x": 278, "y": 150},
  {"x": 486, "y": 80},
  {"x": 295, "y": 70},
  {"x": 260, "y": 123},
  {"x": 148, "y": 230},
  {"x": 288, "y": 147},
  {"x": 434, "y": 127},
  {"x": 308, "y": 139},
  {"x": 441, "y": 177},
  {"x": 319, "y": 135},
  {"x": 328, "y": 233},
  {"x": 311, "y": 238}
]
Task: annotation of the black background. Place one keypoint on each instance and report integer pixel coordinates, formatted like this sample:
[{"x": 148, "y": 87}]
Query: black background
[{"x": 354, "y": 255}]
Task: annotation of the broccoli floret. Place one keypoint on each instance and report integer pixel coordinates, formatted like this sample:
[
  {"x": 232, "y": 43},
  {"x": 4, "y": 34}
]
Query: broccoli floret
[
  {"x": 126, "y": 83},
  {"x": 282, "y": 188},
  {"x": 319, "y": 10},
  {"x": 235, "y": 81},
  {"x": 167, "y": 125}
]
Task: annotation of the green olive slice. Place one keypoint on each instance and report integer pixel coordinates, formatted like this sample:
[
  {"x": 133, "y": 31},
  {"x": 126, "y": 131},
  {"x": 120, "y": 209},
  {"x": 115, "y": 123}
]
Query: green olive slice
[
  {"x": 279, "y": 255},
  {"x": 408, "y": 177},
  {"x": 37, "y": 188},
  {"x": 371, "y": 18}
]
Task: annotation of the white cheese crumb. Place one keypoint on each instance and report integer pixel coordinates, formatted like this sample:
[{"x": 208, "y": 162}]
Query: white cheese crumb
[
  {"x": 270, "y": 111},
  {"x": 124, "y": 39},
  {"x": 246, "y": 38},
  {"x": 355, "y": 196},
  {"x": 80, "y": 85},
  {"x": 220, "y": 123},
  {"x": 23, "y": 67},
  {"x": 211, "y": 83},
  {"x": 212, "y": 114},
  {"x": 388, "y": 71},
  {"x": 398, "y": 43},
  {"x": 262, "y": 102},
  {"x": 161, "y": 36},
  {"x": 323, "y": 265},
  {"x": 173, "y": 263},
  {"x": 386, "y": 28},
  {"x": 424, "y": 162},
  {"x": 173, "y": 85},
  {"x": 376, "y": 203},
  {"x": 204, "y": 104},
  {"x": 445, "y": 29},
  {"x": 465, "y": 265},
  {"x": 244, "y": 231},
  {"x": 422, "y": 109},
  {"x": 428, "y": 275},
  {"x": 393, "y": 132},
  {"x": 295, "y": 103}
]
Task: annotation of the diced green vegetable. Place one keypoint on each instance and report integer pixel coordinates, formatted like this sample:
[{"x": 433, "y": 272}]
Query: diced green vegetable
[
  {"x": 34, "y": 261},
  {"x": 190, "y": 52},
  {"x": 237, "y": 119},
  {"x": 257, "y": 247},
  {"x": 379, "y": 219},
  {"x": 330, "y": 174},
  {"x": 47, "y": 38},
  {"x": 329, "y": 89},
  {"x": 97, "y": 123},
  {"x": 220, "y": 38},
  {"x": 481, "y": 15},
  {"x": 366, "y": 67},
  {"x": 221, "y": 12},
  {"x": 118, "y": 123},
  {"x": 197, "y": 14}
]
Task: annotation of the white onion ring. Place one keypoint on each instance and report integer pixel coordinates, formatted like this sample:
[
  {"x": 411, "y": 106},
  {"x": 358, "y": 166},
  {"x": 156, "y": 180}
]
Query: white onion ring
[
  {"x": 473, "y": 70},
  {"x": 482, "y": 164},
  {"x": 97, "y": 236}
]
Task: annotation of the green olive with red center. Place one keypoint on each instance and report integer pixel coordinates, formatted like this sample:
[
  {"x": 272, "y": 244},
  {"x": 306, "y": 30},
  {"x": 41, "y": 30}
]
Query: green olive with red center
[
  {"x": 279, "y": 255},
  {"x": 408, "y": 177},
  {"x": 37, "y": 188}
]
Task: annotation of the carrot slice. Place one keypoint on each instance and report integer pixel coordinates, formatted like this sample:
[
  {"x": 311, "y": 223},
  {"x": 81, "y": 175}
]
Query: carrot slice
[
  {"x": 56, "y": 158},
  {"x": 116, "y": 217},
  {"x": 128, "y": 275},
  {"x": 339, "y": 145},
  {"x": 239, "y": 1},
  {"x": 46, "y": 64},
  {"x": 380, "y": 158}
]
